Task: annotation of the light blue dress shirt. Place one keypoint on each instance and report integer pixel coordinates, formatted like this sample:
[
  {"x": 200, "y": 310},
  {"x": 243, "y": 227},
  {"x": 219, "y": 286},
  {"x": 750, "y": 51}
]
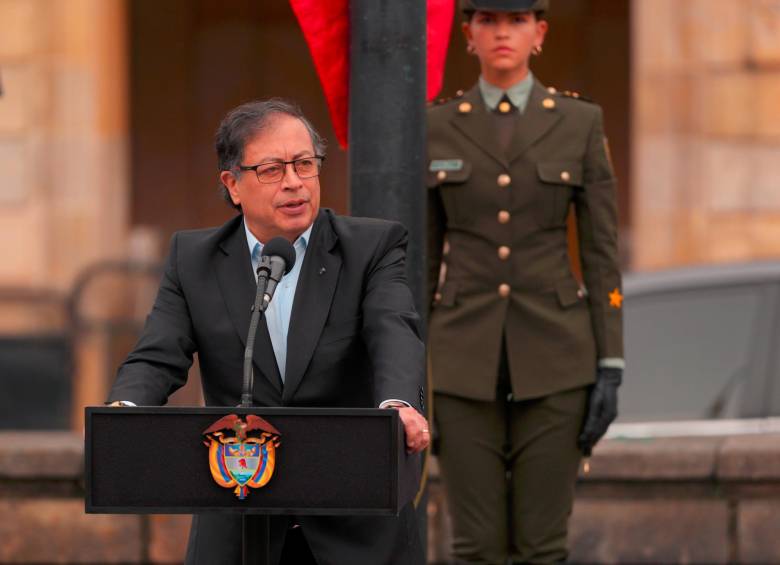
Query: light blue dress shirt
[{"x": 277, "y": 315}]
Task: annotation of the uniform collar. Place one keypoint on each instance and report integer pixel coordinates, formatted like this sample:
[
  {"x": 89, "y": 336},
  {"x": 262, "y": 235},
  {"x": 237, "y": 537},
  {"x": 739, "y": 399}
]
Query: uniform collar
[{"x": 518, "y": 93}]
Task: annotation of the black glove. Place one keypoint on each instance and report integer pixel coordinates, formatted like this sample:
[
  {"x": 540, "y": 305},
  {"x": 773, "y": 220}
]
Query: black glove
[{"x": 602, "y": 408}]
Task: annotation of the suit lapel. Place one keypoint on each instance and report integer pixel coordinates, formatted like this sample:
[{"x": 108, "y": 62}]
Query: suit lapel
[
  {"x": 477, "y": 125},
  {"x": 311, "y": 305},
  {"x": 238, "y": 287},
  {"x": 535, "y": 122}
]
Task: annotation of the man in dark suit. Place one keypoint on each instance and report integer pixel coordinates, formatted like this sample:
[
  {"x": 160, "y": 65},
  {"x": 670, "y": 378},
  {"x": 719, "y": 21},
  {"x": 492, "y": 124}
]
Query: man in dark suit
[{"x": 341, "y": 330}]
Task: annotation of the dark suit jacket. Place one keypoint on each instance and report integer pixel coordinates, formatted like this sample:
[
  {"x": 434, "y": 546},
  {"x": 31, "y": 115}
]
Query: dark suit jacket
[{"x": 354, "y": 340}]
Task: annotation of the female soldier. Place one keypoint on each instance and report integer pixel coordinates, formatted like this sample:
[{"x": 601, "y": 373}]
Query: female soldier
[{"x": 525, "y": 362}]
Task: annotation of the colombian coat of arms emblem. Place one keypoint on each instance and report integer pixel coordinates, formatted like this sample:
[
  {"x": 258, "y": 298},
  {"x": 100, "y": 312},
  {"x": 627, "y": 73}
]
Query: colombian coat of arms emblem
[{"x": 242, "y": 453}]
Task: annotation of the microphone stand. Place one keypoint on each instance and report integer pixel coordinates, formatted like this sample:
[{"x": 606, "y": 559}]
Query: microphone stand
[
  {"x": 277, "y": 259},
  {"x": 258, "y": 308},
  {"x": 256, "y": 528}
]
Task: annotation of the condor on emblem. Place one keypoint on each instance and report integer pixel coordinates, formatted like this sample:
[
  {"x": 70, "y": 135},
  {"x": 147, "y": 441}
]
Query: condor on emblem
[{"x": 242, "y": 454}]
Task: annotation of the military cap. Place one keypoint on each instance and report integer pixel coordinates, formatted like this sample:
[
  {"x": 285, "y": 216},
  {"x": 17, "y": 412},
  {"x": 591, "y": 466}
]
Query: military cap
[{"x": 504, "y": 5}]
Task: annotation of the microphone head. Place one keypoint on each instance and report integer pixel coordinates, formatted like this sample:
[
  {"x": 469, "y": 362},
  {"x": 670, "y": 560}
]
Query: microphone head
[{"x": 283, "y": 249}]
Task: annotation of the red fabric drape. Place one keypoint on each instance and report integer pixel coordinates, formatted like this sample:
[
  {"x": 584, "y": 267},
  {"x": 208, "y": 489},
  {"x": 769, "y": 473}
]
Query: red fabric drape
[
  {"x": 440, "y": 14},
  {"x": 325, "y": 25}
]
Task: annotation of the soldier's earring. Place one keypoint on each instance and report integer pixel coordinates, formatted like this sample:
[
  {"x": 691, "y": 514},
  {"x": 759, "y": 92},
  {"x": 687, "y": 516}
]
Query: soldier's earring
[
  {"x": 470, "y": 49},
  {"x": 537, "y": 50}
]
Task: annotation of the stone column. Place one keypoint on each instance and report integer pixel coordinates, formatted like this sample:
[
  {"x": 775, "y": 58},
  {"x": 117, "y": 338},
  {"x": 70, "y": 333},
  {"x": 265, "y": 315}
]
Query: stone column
[
  {"x": 706, "y": 85},
  {"x": 63, "y": 149}
]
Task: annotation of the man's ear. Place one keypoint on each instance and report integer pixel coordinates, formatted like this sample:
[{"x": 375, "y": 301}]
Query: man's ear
[{"x": 231, "y": 183}]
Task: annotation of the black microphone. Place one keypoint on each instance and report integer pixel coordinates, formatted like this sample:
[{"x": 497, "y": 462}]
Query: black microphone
[
  {"x": 277, "y": 259},
  {"x": 279, "y": 256}
]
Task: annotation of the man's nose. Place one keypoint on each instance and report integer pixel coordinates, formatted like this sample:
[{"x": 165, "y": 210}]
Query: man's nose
[{"x": 291, "y": 178}]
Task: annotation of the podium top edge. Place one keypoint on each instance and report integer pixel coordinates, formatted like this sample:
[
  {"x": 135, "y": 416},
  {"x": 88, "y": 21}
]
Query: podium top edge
[{"x": 279, "y": 411}]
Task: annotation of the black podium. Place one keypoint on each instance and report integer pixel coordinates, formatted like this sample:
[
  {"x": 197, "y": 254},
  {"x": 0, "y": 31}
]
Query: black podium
[{"x": 329, "y": 461}]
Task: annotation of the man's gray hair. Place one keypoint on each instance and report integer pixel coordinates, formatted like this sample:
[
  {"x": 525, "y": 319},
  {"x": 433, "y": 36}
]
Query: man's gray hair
[{"x": 245, "y": 122}]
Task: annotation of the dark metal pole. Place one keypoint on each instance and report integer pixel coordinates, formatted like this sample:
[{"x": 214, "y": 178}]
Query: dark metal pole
[
  {"x": 387, "y": 120},
  {"x": 387, "y": 82}
]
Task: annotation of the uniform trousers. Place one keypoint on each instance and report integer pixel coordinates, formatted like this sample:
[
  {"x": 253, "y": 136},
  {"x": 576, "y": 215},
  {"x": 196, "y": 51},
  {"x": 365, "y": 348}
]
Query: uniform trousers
[{"x": 509, "y": 468}]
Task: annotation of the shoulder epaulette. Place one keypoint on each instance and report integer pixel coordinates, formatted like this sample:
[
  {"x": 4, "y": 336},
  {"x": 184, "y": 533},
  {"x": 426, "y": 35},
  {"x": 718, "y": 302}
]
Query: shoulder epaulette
[
  {"x": 440, "y": 101},
  {"x": 570, "y": 94}
]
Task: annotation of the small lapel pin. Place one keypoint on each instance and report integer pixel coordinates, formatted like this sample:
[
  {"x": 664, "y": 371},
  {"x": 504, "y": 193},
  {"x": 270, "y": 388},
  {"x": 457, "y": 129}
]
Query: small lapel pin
[{"x": 322, "y": 270}]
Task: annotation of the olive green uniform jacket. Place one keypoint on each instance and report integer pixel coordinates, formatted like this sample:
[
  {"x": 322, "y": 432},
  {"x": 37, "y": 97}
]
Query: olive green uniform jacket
[{"x": 503, "y": 215}]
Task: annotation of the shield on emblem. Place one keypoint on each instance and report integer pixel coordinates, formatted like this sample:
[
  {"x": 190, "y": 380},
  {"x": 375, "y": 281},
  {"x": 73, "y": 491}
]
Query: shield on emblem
[{"x": 242, "y": 460}]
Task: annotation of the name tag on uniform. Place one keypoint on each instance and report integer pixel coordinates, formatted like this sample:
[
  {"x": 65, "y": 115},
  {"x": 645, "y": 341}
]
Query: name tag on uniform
[{"x": 445, "y": 165}]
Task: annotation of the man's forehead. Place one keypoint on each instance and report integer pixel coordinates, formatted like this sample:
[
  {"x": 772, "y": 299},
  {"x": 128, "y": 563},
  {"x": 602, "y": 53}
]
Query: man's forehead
[{"x": 281, "y": 136}]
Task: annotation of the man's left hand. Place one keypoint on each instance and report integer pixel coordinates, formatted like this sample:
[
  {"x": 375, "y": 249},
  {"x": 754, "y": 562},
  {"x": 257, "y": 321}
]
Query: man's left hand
[
  {"x": 418, "y": 436},
  {"x": 602, "y": 408}
]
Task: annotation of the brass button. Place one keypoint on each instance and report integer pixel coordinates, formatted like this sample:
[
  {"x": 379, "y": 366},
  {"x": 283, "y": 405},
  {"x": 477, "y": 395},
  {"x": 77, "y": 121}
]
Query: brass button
[
  {"x": 548, "y": 103},
  {"x": 464, "y": 107},
  {"x": 504, "y": 179},
  {"x": 565, "y": 176},
  {"x": 504, "y": 252},
  {"x": 504, "y": 290},
  {"x": 441, "y": 175},
  {"x": 504, "y": 107},
  {"x": 503, "y": 217}
]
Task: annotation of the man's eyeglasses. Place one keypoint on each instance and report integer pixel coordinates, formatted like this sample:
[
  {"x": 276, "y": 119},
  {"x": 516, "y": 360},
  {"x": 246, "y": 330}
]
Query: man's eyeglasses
[{"x": 273, "y": 171}]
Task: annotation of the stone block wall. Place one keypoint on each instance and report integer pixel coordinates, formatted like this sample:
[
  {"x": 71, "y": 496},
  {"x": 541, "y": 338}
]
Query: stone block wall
[
  {"x": 687, "y": 500},
  {"x": 695, "y": 501},
  {"x": 63, "y": 138},
  {"x": 42, "y": 517},
  {"x": 64, "y": 175},
  {"x": 706, "y": 132}
]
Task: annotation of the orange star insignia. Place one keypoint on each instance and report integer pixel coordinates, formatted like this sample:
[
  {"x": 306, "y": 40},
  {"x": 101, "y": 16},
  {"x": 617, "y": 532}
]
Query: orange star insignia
[{"x": 616, "y": 299}]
